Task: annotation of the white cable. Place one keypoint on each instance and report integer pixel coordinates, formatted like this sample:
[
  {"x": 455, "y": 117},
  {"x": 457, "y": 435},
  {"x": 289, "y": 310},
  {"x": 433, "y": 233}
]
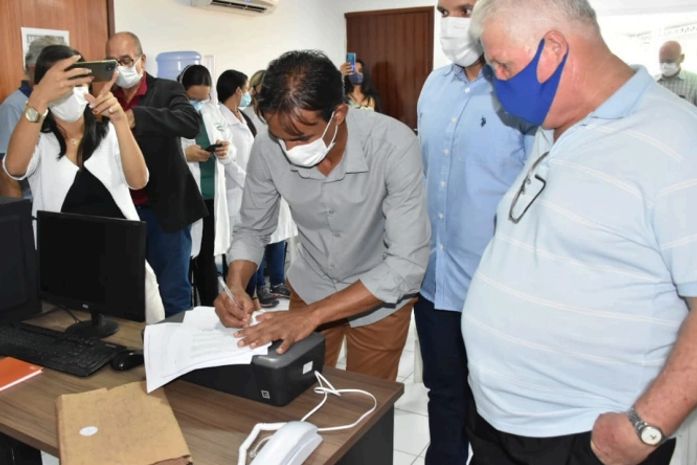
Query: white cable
[
  {"x": 326, "y": 388},
  {"x": 242, "y": 454}
]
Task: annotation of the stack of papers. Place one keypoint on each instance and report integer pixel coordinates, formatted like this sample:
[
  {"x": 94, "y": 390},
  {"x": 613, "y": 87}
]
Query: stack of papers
[{"x": 200, "y": 341}]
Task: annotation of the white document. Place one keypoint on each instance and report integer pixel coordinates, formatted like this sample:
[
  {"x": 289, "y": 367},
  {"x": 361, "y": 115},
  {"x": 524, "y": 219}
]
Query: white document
[{"x": 199, "y": 341}]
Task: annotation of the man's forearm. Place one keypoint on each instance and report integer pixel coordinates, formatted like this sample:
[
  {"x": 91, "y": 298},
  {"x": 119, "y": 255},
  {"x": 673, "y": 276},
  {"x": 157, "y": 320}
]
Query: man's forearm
[
  {"x": 239, "y": 274},
  {"x": 353, "y": 300},
  {"x": 673, "y": 395}
]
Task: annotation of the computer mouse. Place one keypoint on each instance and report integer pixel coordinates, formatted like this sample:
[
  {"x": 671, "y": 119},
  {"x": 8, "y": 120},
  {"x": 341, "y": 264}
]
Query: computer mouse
[
  {"x": 127, "y": 359},
  {"x": 292, "y": 444}
]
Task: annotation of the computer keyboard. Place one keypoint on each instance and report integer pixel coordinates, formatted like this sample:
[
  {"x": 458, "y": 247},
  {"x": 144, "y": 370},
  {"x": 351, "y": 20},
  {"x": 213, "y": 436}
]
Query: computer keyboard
[{"x": 75, "y": 355}]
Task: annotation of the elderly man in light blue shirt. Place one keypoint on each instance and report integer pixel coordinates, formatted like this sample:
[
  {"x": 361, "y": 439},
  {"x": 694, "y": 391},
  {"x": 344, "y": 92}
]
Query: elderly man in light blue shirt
[
  {"x": 582, "y": 346},
  {"x": 472, "y": 152}
]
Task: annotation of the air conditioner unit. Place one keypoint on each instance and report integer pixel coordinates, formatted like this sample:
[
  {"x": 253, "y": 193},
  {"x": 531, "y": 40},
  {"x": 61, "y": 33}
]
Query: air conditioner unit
[{"x": 243, "y": 6}]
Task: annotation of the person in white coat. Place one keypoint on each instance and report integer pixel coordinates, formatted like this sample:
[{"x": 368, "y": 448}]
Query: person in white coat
[
  {"x": 207, "y": 156},
  {"x": 77, "y": 159},
  {"x": 274, "y": 261},
  {"x": 235, "y": 95},
  {"x": 254, "y": 88}
]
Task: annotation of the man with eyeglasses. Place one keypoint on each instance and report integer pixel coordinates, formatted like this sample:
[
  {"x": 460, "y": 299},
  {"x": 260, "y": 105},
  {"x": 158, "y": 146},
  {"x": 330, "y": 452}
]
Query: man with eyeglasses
[
  {"x": 472, "y": 152},
  {"x": 581, "y": 321},
  {"x": 159, "y": 113}
]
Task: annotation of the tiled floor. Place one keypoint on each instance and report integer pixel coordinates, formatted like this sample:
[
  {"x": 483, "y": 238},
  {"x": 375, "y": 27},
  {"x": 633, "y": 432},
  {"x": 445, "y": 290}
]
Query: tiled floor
[{"x": 411, "y": 417}]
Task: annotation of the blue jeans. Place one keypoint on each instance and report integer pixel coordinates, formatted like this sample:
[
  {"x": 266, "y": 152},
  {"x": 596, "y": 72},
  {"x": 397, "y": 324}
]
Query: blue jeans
[
  {"x": 169, "y": 253},
  {"x": 275, "y": 258},
  {"x": 445, "y": 376}
]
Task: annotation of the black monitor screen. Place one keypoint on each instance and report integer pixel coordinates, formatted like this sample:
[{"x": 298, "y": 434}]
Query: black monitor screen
[{"x": 92, "y": 263}]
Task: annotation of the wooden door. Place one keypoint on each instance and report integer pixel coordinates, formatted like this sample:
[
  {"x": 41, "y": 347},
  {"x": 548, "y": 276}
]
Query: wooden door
[
  {"x": 89, "y": 23},
  {"x": 397, "y": 48}
]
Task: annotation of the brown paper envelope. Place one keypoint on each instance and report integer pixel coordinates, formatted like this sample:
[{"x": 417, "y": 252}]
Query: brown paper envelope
[{"x": 119, "y": 426}]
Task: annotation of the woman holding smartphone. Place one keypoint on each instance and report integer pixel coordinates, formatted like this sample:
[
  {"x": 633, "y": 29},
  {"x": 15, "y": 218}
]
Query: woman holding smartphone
[
  {"x": 208, "y": 154},
  {"x": 78, "y": 159}
]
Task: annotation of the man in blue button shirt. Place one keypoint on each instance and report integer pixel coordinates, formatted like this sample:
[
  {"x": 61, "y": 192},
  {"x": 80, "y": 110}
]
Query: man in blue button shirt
[{"x": 472, "y": 153}]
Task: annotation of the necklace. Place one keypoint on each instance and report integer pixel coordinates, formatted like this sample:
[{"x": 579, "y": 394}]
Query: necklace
[{"x": 75, "y": 141}]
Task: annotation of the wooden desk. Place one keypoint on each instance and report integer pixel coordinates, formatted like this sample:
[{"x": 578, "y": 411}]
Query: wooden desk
[{"x": 214, "y": 423}]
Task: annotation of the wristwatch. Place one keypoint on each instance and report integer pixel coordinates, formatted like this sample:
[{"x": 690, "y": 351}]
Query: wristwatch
[
  {"x": 32, "y": 114},
  {"x": 649, "y": 434}
]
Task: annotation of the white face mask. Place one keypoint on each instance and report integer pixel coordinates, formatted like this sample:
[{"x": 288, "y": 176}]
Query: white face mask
[
  {"x": 456, "y": 42},
  {"x": 128, "y": 76},
  {"x": 308, "y": 155},
  {"x": 71, "y": 107},
  {"x": 670, "y": 69}
]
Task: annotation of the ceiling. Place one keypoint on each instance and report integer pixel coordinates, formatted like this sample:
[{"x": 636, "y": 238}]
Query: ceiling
[{"x": 631, "y": 7}]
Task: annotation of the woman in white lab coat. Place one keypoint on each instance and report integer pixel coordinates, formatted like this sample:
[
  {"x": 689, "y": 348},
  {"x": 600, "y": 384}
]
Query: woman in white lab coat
[
  {"x": 77, "y": 159},
  {"x": 207, "y": 156},
  {"x": 236, "y": 99}
]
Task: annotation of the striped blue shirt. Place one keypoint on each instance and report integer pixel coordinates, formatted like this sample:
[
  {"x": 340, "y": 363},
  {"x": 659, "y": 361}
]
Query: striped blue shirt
[
  {"x": 574, "y": 310},
  {"x": 472, "y": 153}
]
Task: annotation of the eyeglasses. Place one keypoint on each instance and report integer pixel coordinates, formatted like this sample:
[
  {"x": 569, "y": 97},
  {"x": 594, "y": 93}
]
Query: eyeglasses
[
  {"x": 529, "y": 191},
  {"x": 126, "y": 60}
]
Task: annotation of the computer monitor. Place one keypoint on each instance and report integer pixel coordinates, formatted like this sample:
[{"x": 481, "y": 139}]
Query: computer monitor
[
  {"x": 94, "y": 264},
  {"x": 19, "y": 280}
]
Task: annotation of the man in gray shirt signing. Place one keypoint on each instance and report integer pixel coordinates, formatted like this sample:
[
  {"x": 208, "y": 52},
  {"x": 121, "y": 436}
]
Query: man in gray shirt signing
[{"x": 354, "y": 183}]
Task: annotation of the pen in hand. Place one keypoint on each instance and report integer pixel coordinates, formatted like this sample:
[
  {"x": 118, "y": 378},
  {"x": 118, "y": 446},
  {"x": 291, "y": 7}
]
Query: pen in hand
[{"x": 223, "y": 287}]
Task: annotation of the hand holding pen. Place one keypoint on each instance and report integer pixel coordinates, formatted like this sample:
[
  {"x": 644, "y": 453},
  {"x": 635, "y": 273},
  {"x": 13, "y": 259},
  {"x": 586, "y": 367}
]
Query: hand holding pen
[{"x": 233, "y": 308}]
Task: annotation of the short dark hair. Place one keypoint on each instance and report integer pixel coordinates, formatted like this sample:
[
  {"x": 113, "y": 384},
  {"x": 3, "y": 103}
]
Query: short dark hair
[
  {"x": 228, "y": 83},
  {"x": 301, "y": 80},
  {"x": 195, "y": 75},
  {"x": 94, "y": 131}
]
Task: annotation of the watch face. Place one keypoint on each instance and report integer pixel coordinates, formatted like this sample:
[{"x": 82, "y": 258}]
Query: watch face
[
  {"x": 32, "y": 114},
  {"x": 651, "y": 435}
]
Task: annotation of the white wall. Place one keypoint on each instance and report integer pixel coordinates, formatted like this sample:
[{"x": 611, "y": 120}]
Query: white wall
[
  {"x": 243, "y": 42},
  {"x": 637, "y": 38},
  {"x": 248, "y": 43}
]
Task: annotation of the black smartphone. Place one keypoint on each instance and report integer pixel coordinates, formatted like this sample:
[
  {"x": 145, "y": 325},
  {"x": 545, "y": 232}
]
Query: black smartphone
[
  {"x": 101, "y": 70},
  {"x": 211, "y": 148}
]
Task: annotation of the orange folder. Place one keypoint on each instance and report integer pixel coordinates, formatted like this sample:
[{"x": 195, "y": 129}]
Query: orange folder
[{"x": 13, "y": 371}]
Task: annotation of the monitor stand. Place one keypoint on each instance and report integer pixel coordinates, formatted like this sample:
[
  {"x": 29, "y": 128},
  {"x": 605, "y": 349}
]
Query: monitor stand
[{"x": 98, "y": 326}]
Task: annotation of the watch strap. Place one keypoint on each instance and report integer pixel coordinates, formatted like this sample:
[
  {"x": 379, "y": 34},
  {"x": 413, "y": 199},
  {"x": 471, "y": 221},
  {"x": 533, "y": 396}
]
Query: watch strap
[
  {"x": 40, "y": 115},
  {"x": 640, "y": 424}
]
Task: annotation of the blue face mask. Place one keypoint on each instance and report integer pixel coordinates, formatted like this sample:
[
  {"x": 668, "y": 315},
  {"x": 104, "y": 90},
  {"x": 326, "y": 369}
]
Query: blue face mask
[
  {"x": 356, "y": 79},
  {"x": 246, "y": 100},
  {"x": 523, "y": 96},
  {"x": 197, "y": 104}
]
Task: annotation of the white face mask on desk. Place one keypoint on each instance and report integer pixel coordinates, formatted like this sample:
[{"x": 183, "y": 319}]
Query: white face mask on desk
[
  {"x": 71, "y": 107},
  {"x": 309, "y": 155}
]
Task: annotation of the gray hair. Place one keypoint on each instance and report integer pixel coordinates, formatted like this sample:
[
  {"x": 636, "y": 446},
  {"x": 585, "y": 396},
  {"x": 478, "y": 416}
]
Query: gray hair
[
  {"x": 541, "y": 12},
  {"x": 37, "y": 45}
]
